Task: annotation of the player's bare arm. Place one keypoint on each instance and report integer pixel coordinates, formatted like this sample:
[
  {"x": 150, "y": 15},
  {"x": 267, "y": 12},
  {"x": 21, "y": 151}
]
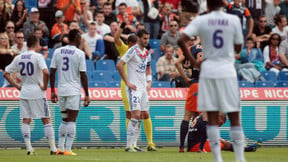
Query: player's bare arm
[
  {"x": 54, "y": 97},
  {"x": 84, "y": 82},
  {"x": 45, "y": 80},
  {"x": 120, "y": 68},
  {"x": 182, "y": 44},
  {"x": 149, "y": 78},
  {"x": 178, "y": 65},
  {"x": 9, "y": 78}
]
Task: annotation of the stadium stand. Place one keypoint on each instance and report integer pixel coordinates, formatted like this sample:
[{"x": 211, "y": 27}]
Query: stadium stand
[
  {"x": 108, "y": 65},
  {"x": 161, "y": 84},
  {"x": 265, "y": 84},
  {"x": 245, "y": 84},
  {"x": 105, "y": 76}
]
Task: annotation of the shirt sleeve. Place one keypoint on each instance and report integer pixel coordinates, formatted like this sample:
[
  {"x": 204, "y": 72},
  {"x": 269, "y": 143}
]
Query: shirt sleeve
[
  {"x": 53, "y": 62},
  {"x": 11, "y": 68},
  {"x": 192, "y": 28},
  {"x": 238, "y": 35},
  {"x": 128, "y": 55},
  {"x": 266, "y": 54},
  {"x": 82, "y": 66},
  {"x": 41, "y": 62}
]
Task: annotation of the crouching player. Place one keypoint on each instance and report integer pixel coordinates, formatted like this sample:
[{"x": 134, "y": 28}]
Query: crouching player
[
  {"x": 197, "y": 137},
  {"x": 183, "y": 66}
]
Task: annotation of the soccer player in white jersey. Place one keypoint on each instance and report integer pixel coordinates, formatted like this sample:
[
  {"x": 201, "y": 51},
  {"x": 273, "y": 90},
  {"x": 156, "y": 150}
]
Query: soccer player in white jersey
[
  {"x": 34, "y": 75},
  {"x": 71, "y": 66},
  {"x": 221, "y": 37},
  {"x": 138, "y": 80}
]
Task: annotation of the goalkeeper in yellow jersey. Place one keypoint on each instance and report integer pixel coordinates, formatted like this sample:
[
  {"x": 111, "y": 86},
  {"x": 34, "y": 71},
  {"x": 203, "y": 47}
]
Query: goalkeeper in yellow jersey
[{"x": 122, "y": 49}]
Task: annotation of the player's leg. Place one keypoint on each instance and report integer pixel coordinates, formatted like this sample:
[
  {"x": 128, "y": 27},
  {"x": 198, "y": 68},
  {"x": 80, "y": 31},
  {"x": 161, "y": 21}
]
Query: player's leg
[
  {"x": 237, "y": 135},
  {"x": 190, "y": 110},
  {"x": 213, "y": 134},
  {"x": 184, "y": 128},
  {"x": 49, "y": 133},
  {"x": 125, "y": 103},
  {"x": 25, "y": 114},
  {"x": 134, "y": 123},
  {"x": 62, "y": 130},
  {"x": 147, "y": 120},
  {"x": 148, "y": 128},
  {"x": 41, "y": 110},
  {"x": 71, "y": 129},
  {"x": 73, "y": 107}
]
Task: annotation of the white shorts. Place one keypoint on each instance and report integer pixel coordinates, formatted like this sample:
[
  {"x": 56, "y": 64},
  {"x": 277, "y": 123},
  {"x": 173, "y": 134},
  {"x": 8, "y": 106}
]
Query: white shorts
[
  {"x": 35, "y": 108},
  {"x": 138, "y": 100},
  {"x": 218, "y": 95},
  {"x": 69, "y": 102}
]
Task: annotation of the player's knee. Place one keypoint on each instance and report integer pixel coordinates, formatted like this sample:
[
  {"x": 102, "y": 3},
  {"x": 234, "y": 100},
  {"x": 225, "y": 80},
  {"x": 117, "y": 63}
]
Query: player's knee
[
  {"x": 128, "y": 114},
  {"x": 46, "y": 121},
  {"x": 27, "y": 120},
  {"x": 145, "y": 115}
]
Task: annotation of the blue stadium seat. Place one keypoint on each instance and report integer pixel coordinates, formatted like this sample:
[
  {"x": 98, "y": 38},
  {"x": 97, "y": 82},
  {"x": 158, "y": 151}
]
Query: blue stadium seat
[
  {"x": 98, "y": 84},
  {"x": 105, "y": 65},
  {"x": 90, "y": 75},
  {"x": 155, "y": 43},
  {"x": 90, "y": 66},
  {"x": 156, "y": 54},
  {"x": 105, "y": 76},
  {"x": 282, "y": 84},
  {"x": 1, "y": 78},
  {"x": 283, "y": 75},
  {"x": 114, "y": 84},
  {"x": 50, "y": 52},
  {"x": 245, "y": 84},
  {"x": 269, "y": 76},
  {"x": 265, "y": 84},
  {"x": 116, "y": 76},
  {"x": 153, "y": 68},
  {"x": 161, "y": 84}
]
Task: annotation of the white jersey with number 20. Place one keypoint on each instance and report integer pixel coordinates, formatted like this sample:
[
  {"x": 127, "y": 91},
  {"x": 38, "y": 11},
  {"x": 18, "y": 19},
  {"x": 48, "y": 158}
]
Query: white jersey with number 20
[
  {"x": 69, "y": 61},
  {"x": 219, "y": 32}
]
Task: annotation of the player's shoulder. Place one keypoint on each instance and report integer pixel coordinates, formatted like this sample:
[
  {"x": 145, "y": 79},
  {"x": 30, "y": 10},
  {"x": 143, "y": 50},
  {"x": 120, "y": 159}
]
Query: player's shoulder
[{"x": 132, "y": 49}]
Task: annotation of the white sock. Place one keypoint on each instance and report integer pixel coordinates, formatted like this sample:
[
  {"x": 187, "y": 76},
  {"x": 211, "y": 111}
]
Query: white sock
[
  {"x": 71, "y": 130},
  {"x": 49, "y": 133},
  {"x": 138, "y": 129},
  {"x": 131, "y": 131},
  {"x": 25, "y": 128},
  {"x": 237, "y": 138},
  {"x": 62, "y": 135},
  {"x": 214, "y": 139}
]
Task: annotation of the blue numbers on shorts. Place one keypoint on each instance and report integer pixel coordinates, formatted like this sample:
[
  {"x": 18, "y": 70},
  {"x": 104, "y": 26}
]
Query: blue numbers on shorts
[
  {"x": 65, "y": 64},
  {"x": 27, "y": 68},
  {"x": 136, "y": 99},
  {"x": 218, "y": 39}
]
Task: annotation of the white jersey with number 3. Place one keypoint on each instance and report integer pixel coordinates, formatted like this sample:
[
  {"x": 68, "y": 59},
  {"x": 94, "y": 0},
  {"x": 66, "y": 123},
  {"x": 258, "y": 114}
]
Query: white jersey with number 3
[
  {"x": 137, "y": 61},
  {"x": 69, "y": 61},
  {"x": 219, "y": 32},
  {"x": 29, "y": 65}
]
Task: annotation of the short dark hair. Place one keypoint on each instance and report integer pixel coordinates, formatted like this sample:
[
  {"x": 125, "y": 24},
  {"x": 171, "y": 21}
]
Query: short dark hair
[
  {"x": 37, "y": 28},
  {"x": 73, "y": 35},
  {"x": 132, "y": 38},
  {"x": 250, "y": 39},
  {"x": 214, "y": 4},
  {"x": 107, "y": 4},
  {"x": 99, "y": 12},
  {"x": 139, "y": 24},
  {"x": 32, "y": 41},
  {"x": 141, "y": 32},
  {"x": 123, "y": 4}
]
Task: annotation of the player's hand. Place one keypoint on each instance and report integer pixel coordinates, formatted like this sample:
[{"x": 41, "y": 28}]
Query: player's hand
[
  {"x": 54, "y": 97},
  {"x": 86, "y": 101},
  {"x": 43, "y": 88},
  {"x": 148, "y": 86},
  {"x": 188, "y": 80},
  {"x": 132, "y": 86},
  {"x": 18, "y": 87}
]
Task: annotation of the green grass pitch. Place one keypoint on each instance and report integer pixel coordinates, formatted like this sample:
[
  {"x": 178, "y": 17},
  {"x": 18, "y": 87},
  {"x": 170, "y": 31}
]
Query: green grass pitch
[{"x": 167, "y": 154}]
